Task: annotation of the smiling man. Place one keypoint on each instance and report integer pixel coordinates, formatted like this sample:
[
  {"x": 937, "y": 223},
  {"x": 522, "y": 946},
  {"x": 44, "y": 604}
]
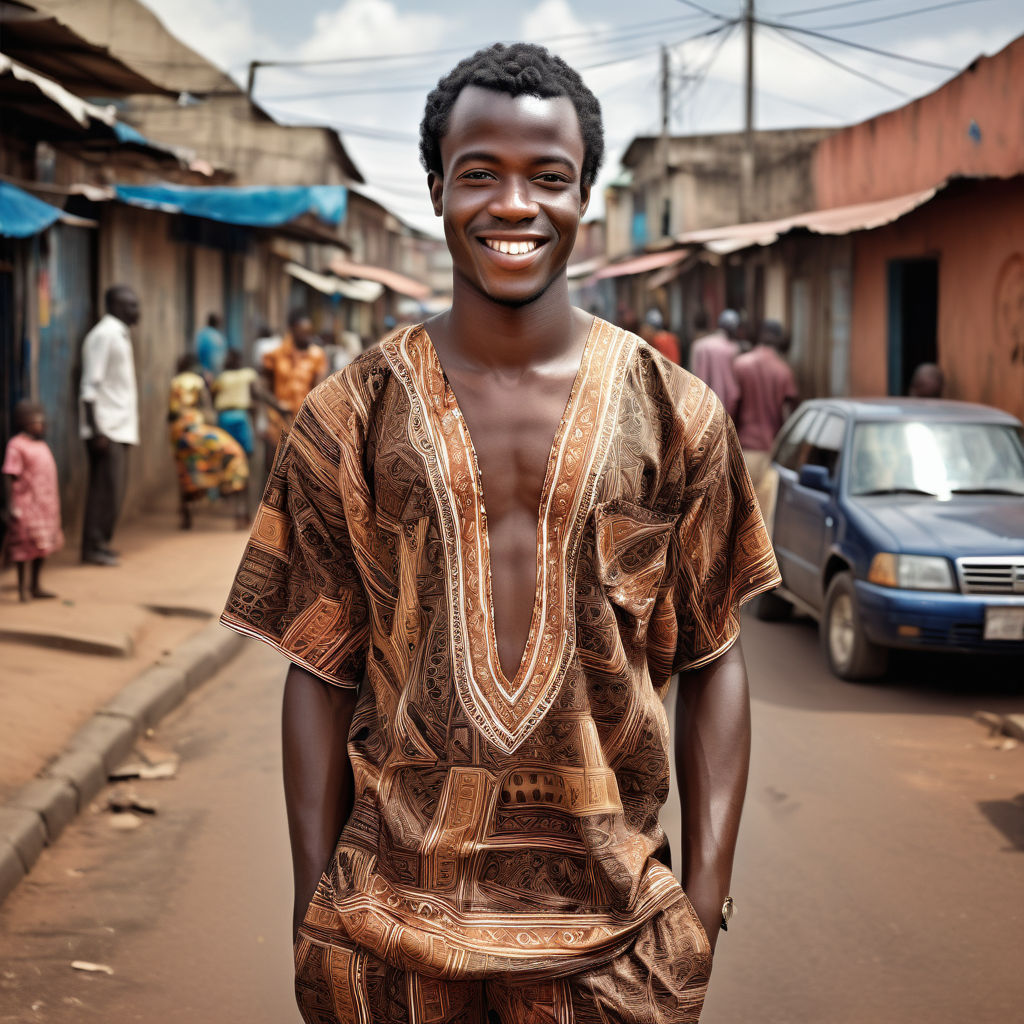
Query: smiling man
[{"x": 476, "y": 751}]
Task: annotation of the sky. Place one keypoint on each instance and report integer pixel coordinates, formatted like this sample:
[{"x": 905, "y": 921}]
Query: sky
[{"x": 395, "y": 50}]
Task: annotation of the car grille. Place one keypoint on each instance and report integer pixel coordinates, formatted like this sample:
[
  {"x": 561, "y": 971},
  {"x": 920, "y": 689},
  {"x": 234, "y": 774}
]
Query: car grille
[{"x": 991, "y": 575}]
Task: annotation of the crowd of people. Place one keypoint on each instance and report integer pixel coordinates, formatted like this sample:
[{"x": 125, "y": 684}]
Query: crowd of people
[{"x": 220, "y": 412}]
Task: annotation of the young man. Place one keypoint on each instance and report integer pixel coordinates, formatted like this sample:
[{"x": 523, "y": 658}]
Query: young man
[
  {"x": 712, "y": 356},
  {"x": 486, "y": 846},
  {"x": 109, "y": 420},
  {"x": 767, "y": 395}
]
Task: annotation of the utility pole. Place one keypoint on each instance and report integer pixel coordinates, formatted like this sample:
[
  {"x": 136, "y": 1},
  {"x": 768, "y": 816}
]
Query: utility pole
[
  {"x": 747, "y": 158},
  {"x": 251, "y": 83},
  {"x": 666, "y": 99}
]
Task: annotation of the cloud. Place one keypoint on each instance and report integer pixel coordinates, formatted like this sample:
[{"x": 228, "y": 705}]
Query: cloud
[
  {"x": 361, "y": 27},
  {"x": 221, "y": 30}
]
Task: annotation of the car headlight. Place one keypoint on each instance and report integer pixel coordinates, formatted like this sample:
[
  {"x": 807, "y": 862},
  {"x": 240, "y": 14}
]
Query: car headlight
[{"x": 911, "y": 572}]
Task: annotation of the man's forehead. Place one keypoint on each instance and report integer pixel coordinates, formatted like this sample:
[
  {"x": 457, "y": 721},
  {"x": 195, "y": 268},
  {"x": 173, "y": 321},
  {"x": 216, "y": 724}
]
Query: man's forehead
[{"x": 480, "y": 112}]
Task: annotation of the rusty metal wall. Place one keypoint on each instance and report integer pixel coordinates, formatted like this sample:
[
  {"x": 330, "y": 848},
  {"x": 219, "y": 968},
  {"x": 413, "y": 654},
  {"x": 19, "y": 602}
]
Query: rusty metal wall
[{"x": 977, "y": 233}]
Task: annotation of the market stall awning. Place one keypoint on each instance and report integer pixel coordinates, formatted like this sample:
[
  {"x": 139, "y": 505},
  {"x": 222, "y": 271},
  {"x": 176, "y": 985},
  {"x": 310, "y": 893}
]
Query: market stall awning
[
  {"x": 641, "y": 264},
  {"x": 328, "y": 284},
  {"x": 389, "y": 278},
  {"x": 22, "y": 215},
  {"x": 77, "y": 109},
  {"x": 248, "y": 206},
  {"x": 842, "y": 220}
]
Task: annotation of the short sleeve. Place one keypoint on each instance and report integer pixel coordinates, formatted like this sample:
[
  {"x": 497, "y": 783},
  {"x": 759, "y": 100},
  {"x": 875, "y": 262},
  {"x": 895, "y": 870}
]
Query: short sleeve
[
  {"x": 14, "y": 460},
  {"x": 298, "y": 587},
  {"x": 724, "y": 555}
]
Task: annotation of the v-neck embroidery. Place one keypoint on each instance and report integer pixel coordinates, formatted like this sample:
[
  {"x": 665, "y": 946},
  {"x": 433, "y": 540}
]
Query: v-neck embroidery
[{"x": 508, "y": 710}]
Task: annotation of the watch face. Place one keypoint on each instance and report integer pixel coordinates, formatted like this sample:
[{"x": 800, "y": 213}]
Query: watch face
[{"x": 728, "y": 908}]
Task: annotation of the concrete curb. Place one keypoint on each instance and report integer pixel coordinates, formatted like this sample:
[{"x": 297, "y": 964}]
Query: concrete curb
[{"x": 37, "y": 814}]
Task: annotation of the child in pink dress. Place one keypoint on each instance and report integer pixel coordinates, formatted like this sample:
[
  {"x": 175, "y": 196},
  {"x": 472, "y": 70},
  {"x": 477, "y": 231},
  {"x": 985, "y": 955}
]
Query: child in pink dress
[{"x": 33, "y": 499}]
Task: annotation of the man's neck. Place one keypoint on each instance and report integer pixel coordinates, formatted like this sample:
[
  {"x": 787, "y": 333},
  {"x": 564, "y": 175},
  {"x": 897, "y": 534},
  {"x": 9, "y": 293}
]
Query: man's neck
[{"x": 479, "y": 332}]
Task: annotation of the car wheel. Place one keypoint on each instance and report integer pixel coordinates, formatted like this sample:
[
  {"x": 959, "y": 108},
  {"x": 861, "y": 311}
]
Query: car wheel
[
  {"x": 771, "y": 607},
  {"x": 851, "y": 655}
]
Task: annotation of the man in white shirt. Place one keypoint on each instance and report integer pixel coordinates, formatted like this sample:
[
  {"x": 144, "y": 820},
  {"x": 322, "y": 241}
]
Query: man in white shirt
[{"x": 109, "y": 410}]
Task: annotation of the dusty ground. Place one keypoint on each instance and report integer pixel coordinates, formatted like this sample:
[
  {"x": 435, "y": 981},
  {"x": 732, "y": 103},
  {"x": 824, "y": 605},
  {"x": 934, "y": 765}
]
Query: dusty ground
[
  {"x": 880, "y": 875},
  {"x": 48, "y": 693}
]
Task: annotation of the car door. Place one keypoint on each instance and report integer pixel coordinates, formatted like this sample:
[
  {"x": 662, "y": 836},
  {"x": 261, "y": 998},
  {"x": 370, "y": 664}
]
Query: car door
[
  {"x": 809, "y": 513},
  {"x": 790, "y": 452}
]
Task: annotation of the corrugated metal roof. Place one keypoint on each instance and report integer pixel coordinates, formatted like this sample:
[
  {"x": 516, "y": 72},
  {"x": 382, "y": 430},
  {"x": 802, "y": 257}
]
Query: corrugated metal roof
[
  {"x": 641, "y": 264},
  {"x": 389, "y": 278},
  {"x": 842, "y": 220}
]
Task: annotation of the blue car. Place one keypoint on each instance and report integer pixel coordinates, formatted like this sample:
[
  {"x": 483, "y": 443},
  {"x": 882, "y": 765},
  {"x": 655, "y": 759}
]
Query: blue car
[{"x": 900, "y": 523}]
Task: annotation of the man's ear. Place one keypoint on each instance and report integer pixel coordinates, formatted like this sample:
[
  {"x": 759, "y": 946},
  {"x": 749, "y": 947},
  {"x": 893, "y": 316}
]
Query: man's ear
[
  {"x": 584, "y": 199},
  {"x": 435, "y": 183}
]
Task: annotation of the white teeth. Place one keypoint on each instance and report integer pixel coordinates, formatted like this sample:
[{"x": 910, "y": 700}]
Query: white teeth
[{"x": 511, "y": 248}]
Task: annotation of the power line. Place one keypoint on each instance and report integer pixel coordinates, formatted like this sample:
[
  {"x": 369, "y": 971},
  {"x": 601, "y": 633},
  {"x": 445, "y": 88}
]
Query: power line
[
  {"x": 610, "y": 32},
  {"x": 857, "y": 46},
  {"x": 902, "y": 14},
  {"x": 705, "y": 10},
  {"x": 840, "y": 64},
  {"x": 424, "y": 88},
  {"x": 826, "y": 7}
]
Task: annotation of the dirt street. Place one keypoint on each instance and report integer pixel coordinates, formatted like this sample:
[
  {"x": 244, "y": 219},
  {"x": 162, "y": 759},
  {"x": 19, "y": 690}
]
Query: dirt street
[{"x": 880, "y": 875}]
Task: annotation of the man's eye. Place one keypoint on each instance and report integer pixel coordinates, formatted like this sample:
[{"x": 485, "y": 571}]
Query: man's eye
[
  {"x": 554, "y": 179},
  {"x": 476, "y": 175}
]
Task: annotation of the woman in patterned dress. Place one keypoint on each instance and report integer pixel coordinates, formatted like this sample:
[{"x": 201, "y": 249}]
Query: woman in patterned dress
[
  {"x": 210, "y": 462},
  {"x": 33, "y": 499}
]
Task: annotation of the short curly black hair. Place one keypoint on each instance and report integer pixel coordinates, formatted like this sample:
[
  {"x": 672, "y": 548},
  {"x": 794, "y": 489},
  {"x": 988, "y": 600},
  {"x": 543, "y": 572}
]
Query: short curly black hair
[{"x": 520, "y": 69}]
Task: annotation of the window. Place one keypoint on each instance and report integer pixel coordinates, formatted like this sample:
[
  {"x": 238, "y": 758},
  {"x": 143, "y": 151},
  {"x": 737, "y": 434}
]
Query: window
[
  {"x": 792, "y": 444},
  {"x": 828, "y": 440}
]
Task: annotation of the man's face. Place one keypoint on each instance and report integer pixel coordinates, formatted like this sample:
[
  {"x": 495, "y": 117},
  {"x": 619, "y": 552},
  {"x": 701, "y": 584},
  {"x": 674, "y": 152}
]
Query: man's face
[
  {"x": 302, "y": 332},
  {"x": 126, "y": 307},
  {"x": 511, "y": 196}
]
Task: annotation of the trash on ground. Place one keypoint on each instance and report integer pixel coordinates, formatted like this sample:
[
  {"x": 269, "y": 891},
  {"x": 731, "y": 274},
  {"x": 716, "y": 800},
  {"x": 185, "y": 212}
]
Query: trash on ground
[
  {"x": 125, "y": 822},
  {"x": 86, "y": 965},
  {"x": 122, "y": 800},
  {"x": 148, "y": 761},
  {"x": 1005, "y": 725}
]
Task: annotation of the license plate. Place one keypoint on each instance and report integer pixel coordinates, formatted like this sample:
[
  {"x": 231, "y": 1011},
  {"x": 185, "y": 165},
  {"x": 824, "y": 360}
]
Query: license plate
[{"x": 1004, "y": 623}]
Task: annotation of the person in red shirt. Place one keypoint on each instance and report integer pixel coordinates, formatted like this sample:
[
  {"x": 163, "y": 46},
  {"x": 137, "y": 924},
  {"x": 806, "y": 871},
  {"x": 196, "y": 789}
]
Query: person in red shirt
[
  {"x": 653, "y": 331},
  {"x": 767, "y": 395}
]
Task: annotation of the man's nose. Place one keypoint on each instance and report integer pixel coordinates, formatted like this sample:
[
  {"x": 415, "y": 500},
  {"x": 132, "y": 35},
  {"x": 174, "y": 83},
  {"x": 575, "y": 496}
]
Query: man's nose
[{"x": 512, "y": 201}]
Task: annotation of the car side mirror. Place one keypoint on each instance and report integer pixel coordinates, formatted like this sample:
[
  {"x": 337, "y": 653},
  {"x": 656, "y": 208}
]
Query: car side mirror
[{"x": 815, "y": 478}]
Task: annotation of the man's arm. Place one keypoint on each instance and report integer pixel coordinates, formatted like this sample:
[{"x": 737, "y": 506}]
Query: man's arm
[
  {"x": 94, "y": 365},
  {"x": 318, "y": 786},
  {"x": 712, "y": 761}
]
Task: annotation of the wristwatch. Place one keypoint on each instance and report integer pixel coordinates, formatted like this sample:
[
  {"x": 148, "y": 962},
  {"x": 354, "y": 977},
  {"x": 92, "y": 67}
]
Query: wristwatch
[{"x": 728, "y": 909}]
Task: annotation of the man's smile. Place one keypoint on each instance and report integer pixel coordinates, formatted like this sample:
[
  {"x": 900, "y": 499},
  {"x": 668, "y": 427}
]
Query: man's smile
[{"x": 518, "y": 246}]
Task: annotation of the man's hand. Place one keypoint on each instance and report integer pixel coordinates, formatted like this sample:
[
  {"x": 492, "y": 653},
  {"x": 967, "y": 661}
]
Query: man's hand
[
  {"x": 99, "y": 442},
  {"x": 318, "y": 785},
  {"x": 712, "y": 760}
]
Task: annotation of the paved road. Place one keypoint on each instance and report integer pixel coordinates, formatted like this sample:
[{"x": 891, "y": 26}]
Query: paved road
[{"x": 880, "y": 875}]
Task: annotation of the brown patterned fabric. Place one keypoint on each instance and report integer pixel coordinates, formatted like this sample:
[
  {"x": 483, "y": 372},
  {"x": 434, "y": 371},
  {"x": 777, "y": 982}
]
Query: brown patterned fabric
[
  {"x": 661, "y": 977},
  {"x": 502, "y": 826}
]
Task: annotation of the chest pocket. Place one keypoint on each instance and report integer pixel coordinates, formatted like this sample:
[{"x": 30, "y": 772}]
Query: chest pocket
[{"x": 632, "y": 550}]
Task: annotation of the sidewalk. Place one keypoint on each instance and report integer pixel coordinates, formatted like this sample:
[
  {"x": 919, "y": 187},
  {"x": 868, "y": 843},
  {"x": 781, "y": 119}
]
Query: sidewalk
[{"x": 64, "y": 659}]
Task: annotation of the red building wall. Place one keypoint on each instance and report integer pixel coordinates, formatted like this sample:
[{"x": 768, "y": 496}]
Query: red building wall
[
  {"x": 972, "y": 126},
  {"x": 977, "y": 233}
]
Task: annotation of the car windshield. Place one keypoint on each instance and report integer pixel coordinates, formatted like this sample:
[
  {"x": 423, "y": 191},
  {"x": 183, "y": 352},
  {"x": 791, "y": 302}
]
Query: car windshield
[{"x": 940, "y": 459}]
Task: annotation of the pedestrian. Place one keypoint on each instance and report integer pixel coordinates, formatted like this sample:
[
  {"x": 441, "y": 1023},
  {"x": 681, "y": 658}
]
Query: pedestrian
[
  {"x": 928, "y": 381},
  {"x": 654, "y": 333},
  {"x": 486, "y": 845},
  {"x": 210, "y": 462},
  {"x": 211, "y": 347},
  {"x": 291, "y": 371},
  {"x": 237, "y": 394},
  {"x": 767, "y": 395},
  {"x": 711, "y": 359},
  {"x": 32, "y": 500},
  {"x": 108, "y": 406}
]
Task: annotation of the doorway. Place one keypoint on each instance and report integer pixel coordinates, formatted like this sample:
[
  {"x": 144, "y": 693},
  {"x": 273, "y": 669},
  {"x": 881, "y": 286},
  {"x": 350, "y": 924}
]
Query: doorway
[{"x": 913, "y": 319}]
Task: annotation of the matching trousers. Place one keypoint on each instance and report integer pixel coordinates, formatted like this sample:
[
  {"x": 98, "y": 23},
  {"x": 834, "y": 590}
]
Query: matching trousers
[
  {"x": 661, "y": 978},
  {"x": 107, "y": 469}
]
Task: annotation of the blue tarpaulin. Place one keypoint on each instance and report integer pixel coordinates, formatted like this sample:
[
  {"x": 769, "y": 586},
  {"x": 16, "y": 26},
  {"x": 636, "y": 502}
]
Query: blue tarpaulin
[
  {"x": 22, "y": 215},
  {"x": 251, "y": 206}
]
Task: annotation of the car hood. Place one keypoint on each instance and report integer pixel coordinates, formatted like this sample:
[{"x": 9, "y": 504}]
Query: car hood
[{"x": 960, "y": 526}]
